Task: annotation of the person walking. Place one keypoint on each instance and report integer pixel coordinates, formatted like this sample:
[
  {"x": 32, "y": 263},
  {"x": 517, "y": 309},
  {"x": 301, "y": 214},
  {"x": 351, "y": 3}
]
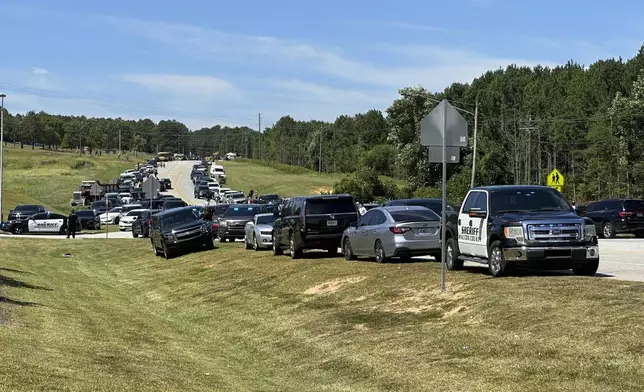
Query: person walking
[{"x": 72, "y": 221}]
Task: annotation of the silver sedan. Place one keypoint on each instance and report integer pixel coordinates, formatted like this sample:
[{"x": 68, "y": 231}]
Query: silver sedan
[
  {"x": 386, "y": 232},
  {"x": 258, "y": 232}
]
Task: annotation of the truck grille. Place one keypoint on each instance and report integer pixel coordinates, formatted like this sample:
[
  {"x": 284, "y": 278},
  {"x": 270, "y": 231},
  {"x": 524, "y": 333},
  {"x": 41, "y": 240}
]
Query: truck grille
[
  {"x": 554, "y": 232},
  {"x": 188, "y": 234}
]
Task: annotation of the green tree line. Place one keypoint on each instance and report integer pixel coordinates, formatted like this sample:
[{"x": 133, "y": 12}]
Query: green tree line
[{"x": 586, "y": 121}]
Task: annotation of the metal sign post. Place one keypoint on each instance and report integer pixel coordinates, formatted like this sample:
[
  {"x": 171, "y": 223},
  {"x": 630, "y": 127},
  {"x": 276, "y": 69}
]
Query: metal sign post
[{"x": 444, "y": 131}]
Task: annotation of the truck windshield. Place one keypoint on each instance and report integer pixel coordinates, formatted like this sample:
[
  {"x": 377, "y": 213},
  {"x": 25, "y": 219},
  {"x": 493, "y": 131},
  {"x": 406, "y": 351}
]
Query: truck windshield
[{"x": 528, "y": 200}]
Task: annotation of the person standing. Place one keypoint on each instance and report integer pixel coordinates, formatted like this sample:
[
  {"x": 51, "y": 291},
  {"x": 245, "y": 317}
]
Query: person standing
[{"x": 72, "y": 221}]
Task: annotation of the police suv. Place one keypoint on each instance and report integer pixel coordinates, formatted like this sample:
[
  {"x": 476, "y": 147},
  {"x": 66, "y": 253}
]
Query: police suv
[
  {"x": 507, "y": 226},
  {"x": 44, "y": 222}
]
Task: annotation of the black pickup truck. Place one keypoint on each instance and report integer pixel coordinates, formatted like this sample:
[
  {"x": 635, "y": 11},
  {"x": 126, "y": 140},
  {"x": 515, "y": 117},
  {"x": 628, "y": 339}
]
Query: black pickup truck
[{"x": 507, "y": 226}]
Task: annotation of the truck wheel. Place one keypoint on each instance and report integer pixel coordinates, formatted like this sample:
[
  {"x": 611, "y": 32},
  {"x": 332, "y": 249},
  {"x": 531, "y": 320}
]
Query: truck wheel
[
  {"x": 277, "y": 249},
  {"x": 296, "y": 253},
  {"x": 451, "y": 256},
  {"x": 608, "y": 230},
  {"x": 587, "y": 269},
  {"x": 496, "y": 262},
  {"x": 247, "y": 244},
  {"x": 17, "y": 229}
]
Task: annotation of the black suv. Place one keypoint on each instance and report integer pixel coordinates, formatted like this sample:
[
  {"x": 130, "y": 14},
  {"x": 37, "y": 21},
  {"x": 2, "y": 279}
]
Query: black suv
[
  {"x": 141, "y": 226},
  {"x": 313, "y": 222},
  {"x": 88, "y": 220},
  {"x": 612, "y": 217},
  {"x": 23, "y": 211},
  {"x": 232, "y": 222},
  {"x": 178, "y": 228}
]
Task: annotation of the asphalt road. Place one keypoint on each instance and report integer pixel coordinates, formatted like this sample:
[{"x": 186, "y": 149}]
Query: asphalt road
[{"x": 620, "y": 258}]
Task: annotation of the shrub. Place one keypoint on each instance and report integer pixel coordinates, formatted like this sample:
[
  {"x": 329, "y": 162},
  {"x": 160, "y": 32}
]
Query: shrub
[{"x": 81, "y": 164}]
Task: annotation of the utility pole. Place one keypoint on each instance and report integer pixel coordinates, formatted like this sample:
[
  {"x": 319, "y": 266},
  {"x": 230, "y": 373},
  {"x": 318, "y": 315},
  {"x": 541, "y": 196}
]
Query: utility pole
[
  {"x": 476, "y": 126},
  {"x": 529, "y": 130},
  {"x": 320, "y": 155},
  {"x": 261, "y": 137},
  {"x": 2, "y": 97}
]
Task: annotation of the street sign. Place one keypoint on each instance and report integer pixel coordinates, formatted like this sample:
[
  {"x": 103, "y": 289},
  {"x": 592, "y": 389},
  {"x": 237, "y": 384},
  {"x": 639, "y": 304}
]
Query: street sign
[
  {"x": 95, "y": 189},
  {"x": 444, "y": 119},
  {"x": 556, "y": 180},
  {"x": 452, "y": 154},
  {"x": 151, "y": 187}
]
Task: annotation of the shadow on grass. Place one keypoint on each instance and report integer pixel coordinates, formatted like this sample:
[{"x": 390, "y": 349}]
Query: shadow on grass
[
  {"x": 11, "y": 282},
  {"x": 527, "y": 272},
  {"x": 15, "y": 271},
  {"x": 10, "y": 301}
]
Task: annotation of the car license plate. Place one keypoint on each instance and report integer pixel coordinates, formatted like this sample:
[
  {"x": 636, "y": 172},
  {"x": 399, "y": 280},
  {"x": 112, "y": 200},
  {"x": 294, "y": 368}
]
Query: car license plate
[
  {"x": 332, "y": 223},
  {"x": 423, "y": 232},
  {"x": 640, "y": 215}
]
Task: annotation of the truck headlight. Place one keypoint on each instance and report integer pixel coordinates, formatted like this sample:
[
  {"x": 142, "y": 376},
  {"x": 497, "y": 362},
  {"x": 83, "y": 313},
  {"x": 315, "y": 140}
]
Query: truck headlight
[
  {"x": 514, "y": 232},
  {"x": 589, "y": 232}
]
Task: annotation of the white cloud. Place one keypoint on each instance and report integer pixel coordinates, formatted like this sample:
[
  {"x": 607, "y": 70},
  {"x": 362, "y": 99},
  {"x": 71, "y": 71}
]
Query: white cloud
[
  {"x": 422, "y": 27},
  {"x": 289, "y": 54},
  {"x": 181, "y": 84},
  {"x": 39, "y": 71}
]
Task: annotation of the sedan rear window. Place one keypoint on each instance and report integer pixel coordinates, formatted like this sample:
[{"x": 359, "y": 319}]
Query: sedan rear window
[
  {"x": 330, "y": 206},
  {"x": 414, "y": 216}
]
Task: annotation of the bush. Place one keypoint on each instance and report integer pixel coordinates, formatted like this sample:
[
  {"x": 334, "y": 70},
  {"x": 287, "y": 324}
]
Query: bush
[{"x": 366, "y": 186}]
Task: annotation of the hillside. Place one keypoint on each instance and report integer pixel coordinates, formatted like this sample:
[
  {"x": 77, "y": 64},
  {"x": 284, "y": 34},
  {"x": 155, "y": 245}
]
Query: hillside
[
  {"x": 235, "y": 320},
  {"x": 49, "y": 177}
]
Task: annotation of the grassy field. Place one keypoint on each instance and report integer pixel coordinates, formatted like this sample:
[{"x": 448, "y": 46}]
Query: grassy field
[
  {"x": 117, "y": 318},
  {"x": 49, "y": 178},
  {"x": 285, "y": 180}
]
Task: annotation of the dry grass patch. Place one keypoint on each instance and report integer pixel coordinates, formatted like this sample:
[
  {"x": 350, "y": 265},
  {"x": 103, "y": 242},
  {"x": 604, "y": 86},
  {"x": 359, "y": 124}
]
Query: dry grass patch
[{"x": 115, "y": 317}]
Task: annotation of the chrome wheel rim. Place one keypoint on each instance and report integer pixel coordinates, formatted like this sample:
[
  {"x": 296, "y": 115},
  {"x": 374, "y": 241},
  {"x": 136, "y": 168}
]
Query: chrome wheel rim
[
  {"x": 496, "y": 260},
  {"x": 607, "y": 231},
  {"x": 380, "y": 253},
  {"x": 291, "y": 246},
  {"x": 347, "y": 250},
  {"x": 448, "y": 255}
]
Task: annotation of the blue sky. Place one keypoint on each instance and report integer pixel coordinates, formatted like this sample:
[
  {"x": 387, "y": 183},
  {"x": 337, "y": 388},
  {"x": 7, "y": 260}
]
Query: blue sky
[{"x": 208, "y": 62}]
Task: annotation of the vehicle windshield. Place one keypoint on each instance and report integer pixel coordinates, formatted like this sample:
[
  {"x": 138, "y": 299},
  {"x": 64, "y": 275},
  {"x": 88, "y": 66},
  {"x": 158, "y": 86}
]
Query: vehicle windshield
[
  {"x": 266, "y": 220},
  {"x": 414, "y": 216},
  {"x": 634, "y": 205},
  {"x": 242, "y": 211},
  {"x": 182, "y": 216},
  {"x": 26, "y": 208},
  {"x": 529, "y": 200},
  {"x": 330, "y": 206},
  {"x": 220, "y": 209}
]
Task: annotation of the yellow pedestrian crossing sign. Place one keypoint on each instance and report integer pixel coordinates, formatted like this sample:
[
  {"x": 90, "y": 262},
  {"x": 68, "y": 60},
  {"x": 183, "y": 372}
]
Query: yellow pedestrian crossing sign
[{"x": 556, "y": 180}]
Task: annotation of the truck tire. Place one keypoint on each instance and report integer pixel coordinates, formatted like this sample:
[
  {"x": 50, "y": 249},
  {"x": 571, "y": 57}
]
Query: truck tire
[
  {"x": 277, "y": 249},
  {"x": 587, "y": 269},
  {"x": 496, "y": 262},
  {"x": 608, "y": 230},
  {"x": 451, "y": 256}
]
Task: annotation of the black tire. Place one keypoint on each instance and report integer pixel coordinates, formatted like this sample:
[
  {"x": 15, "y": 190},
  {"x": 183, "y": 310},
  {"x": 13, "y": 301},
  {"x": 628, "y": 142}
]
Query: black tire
[
  {"x": 134, "y": 234},
  {"x": 155, "y": 250},
  {"x": 437, "y": 256},
  {"x": 17, "y": 229},
  {"x": 63, "y": 230},
  {"x": 347, "y": 250},
  {"x": 146, "y": 234},
  {"x": 639, "y": 234},
  {"x": 116, "y": 220},
  {"x": 451, "y": 256},
  {"x": 587, "y": 269},
  {"x": 379, "y": 251},
  {"x": 277, "y": 249},
  {"x": 497, "y": 265},
  {"x": 167, "y": 252},
  {"x": 608, "y": 230},
  {"x": 295, "y": 252},
  {"x": 222, "y": 239},
  {"x": 332, "y": 251},
  {"x": 246, "y": 244},
  {"x": 255, "y": 244}
]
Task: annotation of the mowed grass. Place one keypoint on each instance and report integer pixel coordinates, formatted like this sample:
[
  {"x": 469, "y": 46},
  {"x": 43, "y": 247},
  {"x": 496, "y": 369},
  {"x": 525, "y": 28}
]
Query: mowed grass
[
  {"x": 284, "y": 180},
  {"x": 49, "y": 178},
  {"x": 268, "y": 177},
  {"x": 117, "y": 318}
]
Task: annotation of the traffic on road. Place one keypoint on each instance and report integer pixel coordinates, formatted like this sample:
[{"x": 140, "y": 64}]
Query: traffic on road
[{"x": 184, "y": 205}]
